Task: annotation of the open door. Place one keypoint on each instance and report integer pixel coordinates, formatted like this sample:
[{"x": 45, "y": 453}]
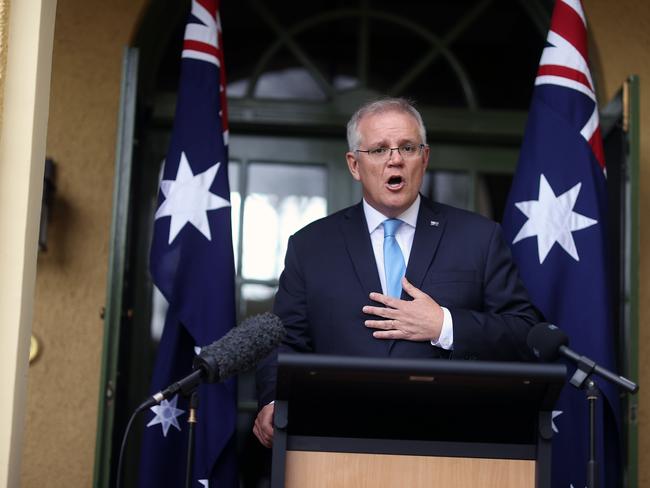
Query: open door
[
  {"x": 114, "y": 311},
  {"x": 620, "y": 127}
]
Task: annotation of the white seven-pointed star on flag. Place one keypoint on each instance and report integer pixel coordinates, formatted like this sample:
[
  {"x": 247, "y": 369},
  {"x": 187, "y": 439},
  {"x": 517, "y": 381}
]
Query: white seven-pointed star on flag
[
  {"x": 554, "y": 415},
  {"x": 552, "y": 219},
  {"x": 166, "y": 415},
  {"x": 188, "y": 199}
]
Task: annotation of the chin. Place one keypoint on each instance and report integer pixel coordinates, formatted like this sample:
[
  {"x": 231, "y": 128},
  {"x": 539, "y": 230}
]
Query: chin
[
  {"x": 400, "y": 202},
  {"x": 393, "y": 209}
]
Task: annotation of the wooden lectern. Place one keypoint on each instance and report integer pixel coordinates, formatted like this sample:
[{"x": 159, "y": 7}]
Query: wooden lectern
[{"x": 384, "y": 422}]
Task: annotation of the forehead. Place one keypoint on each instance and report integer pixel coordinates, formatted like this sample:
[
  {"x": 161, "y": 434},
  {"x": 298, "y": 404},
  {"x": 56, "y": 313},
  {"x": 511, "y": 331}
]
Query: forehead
[{"x": 390, "y": 125}]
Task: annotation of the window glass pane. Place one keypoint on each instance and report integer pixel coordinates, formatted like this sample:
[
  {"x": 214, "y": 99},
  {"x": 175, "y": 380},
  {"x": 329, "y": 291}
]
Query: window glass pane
[
  {"x": 493, "y": 193},
  {"x": 450, "y": 187},
  {"x": 281, "y": 199},
  {"x": 455, "y": 188},
  {"x": 237, "y": 89},
  {"x": 256, "y": 299},
  {"x": 235, "y": 202},
  {"x": 288, "y": 83}
]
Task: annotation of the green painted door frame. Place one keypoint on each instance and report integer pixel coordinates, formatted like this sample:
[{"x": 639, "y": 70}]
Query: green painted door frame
[
  {"x": 631, "y": 121},
  {"x": 620, "y": 128},
  {"x": 113, "y": 310}
]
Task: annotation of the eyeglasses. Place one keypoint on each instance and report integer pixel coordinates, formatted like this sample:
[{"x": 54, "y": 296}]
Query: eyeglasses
[{"x": 383, "y": 154}]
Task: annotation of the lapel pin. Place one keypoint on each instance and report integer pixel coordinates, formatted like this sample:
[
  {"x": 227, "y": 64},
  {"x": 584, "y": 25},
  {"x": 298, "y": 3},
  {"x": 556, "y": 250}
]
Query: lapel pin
[{"x": 435, "y": 223}]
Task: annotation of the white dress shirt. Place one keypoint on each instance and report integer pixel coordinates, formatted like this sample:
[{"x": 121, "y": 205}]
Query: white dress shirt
[{"x": 404, "y": 237}]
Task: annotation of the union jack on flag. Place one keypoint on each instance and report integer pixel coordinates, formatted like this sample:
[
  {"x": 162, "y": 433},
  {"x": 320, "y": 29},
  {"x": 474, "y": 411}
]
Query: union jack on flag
[
  {"x": 565, "y": 63},
  {"x": 192, "y": 265},
  {"x": 555, "y": 220}
]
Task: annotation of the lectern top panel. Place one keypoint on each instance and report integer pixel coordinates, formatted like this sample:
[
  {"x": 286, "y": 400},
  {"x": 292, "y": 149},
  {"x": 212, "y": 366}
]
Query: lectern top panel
[{"x": 417, "y": 399}]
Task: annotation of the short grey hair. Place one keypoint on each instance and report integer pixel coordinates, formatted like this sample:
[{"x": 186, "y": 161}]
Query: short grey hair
[{"x": 382, "y": 105}]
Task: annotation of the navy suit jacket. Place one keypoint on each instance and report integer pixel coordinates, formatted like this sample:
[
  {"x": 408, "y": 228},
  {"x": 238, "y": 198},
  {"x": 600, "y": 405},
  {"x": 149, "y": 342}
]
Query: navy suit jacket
[{"x": 458, "y": 258}]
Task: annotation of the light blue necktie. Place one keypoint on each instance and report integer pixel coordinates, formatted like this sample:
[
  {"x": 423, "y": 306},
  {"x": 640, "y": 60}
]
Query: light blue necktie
[{"x": 394, "y": 266}]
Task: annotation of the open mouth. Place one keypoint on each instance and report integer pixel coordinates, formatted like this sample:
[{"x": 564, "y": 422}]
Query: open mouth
[{"x": 395, "y": 182}]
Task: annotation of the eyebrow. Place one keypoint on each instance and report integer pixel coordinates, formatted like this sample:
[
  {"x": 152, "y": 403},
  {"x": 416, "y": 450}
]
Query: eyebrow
[{"x": 383, "y": 143}]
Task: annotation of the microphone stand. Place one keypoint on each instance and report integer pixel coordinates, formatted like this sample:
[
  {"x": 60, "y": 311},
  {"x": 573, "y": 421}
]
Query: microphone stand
[
  {"x": 547, "y": 342},
  {"x": 192, "y": 421},
  {"x": 581, "y": 379},
  {"x": 593, "y": 394}
]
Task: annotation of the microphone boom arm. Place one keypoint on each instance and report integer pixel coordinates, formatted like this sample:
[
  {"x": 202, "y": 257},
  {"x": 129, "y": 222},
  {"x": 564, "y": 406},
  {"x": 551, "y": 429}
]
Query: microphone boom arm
[
  {"x": 587, "y": 366},
  {"x": 185, "y": 385}
]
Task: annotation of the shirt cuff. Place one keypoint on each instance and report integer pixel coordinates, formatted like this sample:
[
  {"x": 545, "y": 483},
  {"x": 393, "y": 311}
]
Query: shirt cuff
[{"x": 446, "y": 339}]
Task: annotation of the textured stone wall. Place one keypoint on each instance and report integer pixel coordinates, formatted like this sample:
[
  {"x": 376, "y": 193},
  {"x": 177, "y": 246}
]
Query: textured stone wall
[{"x": 63, "y": 385}]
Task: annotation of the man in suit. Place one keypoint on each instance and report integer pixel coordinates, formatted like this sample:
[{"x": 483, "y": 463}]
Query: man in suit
[{"x": 397, "y": 275}]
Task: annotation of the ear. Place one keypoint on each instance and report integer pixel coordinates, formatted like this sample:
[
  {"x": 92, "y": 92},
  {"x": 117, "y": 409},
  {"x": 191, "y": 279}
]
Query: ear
[
  {"x": 425, "y": 158},
  {"x": 353, "y": 165}
]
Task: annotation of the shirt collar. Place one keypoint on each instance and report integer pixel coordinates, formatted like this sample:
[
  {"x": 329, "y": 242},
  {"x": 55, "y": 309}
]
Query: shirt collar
[{"x": 374, "y": 218}]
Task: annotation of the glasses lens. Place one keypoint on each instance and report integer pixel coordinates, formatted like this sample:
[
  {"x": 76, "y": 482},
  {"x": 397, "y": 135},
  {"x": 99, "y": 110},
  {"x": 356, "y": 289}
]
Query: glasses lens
[
  {"x": 409, "y": 150},
  {"x": 379, "y": 153}
]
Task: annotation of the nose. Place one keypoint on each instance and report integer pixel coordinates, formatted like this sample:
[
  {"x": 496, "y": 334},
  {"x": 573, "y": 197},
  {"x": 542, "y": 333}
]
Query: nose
[{"x": 395, "y": 150}]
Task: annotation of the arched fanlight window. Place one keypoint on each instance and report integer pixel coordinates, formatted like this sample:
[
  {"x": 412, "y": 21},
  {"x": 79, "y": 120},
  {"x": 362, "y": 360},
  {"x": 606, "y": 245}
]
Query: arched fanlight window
[{"x": 444, "y": 54}]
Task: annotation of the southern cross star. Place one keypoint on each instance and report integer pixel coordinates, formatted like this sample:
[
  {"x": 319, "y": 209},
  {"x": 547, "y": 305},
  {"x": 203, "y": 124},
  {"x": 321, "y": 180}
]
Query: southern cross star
[
  {"x": 166, "y": 415},
  {"x": 552, "y": 219},
  {"x": 554, "y": 415},
  {"x": 188, "y": 199}
]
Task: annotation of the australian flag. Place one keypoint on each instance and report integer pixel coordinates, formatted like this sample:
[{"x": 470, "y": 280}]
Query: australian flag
[
  {"x": 555, "y": 223},
  {"x": 193, "y": 267}
]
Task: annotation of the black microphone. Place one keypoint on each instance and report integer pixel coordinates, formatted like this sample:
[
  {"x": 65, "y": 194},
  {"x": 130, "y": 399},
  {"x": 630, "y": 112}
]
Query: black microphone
[
  {"x": 237, "y": 351},
  {"x": 548, "y": 342},
  {"x": 545, "y": 341}
]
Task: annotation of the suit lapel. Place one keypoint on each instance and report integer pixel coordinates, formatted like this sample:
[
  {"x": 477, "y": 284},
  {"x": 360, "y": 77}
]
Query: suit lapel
[
  {"x": 428, "y": 231},
  {"x": 357, "y": 240}
]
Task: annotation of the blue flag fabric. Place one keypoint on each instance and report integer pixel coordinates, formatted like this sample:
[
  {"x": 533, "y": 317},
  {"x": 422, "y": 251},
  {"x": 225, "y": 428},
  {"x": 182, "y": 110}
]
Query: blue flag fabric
[
  {"x": 555, "y": 222},
  {"x": 192, "y": 265}
]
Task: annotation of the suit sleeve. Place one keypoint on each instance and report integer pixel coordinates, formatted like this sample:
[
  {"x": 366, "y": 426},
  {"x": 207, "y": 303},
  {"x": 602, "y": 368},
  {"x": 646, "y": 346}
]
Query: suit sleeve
[
  {"x": 498, "y": 331},
  {"x": 291, "y": 306}
]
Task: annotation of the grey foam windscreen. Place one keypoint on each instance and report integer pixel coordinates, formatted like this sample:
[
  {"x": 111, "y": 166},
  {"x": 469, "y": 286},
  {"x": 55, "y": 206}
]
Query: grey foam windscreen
[{"x": 241, "y": 348}]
